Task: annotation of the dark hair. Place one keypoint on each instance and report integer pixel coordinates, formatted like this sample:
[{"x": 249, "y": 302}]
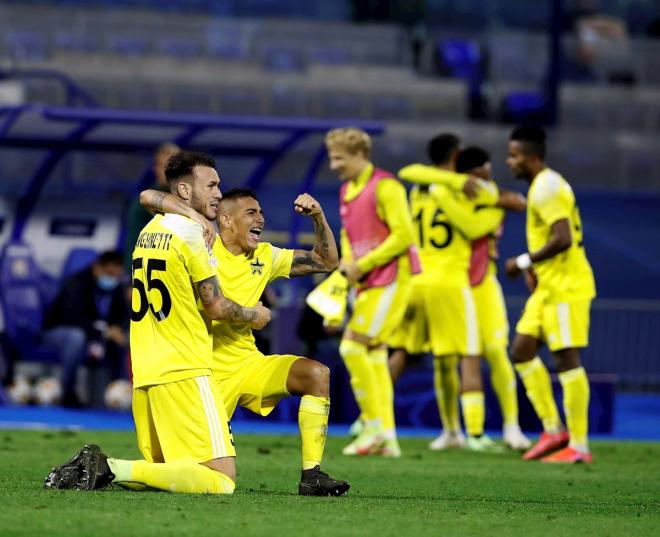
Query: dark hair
[
  {"x": 181, "y": 164},
  {"x": 110, "y": 257},
  {"x": 237, "y": 193},
  {"x": 441, "y": 147},
  {"x": 531, "y": 138},
  {"x": 470, "y": 158}
]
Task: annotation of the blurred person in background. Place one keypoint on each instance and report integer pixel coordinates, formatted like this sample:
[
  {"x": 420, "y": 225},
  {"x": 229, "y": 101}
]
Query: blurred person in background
[
  {"x": 442, "y": 313},
  {"x": 378, "y": 259},
  {"x": 489, "y": 302},
  {"x": 136, "y": 216},
  {"x": 88, "y": 320},
  {"x": 603, "y": 47},
  {"x": 557, "y": 313}
]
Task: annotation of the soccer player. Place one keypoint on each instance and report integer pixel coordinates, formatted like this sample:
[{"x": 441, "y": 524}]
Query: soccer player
[
  {"x": 557, "y": 312},
  {"x": 180, "y": 419},
  {"x": 378, "y": 257},
  {"x": 442, "y": 299},
  {"x": 489, "y": 302},
  {"x": 243, "y": 374}
]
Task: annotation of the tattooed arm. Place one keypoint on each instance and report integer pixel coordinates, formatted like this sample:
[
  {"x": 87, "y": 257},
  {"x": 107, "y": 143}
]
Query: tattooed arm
[
  {"x": 221, "y": 308},
  {"x": 156, "y": 201},
  {"x": 324, "y": 256}
]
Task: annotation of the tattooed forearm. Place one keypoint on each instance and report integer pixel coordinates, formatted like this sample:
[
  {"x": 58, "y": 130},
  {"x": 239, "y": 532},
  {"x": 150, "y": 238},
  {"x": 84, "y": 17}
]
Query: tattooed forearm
[
  {"x": 157, "y": 202},
  {"x": 322, "y": 243},
  {"x": 235, "y": 313},
  {"x": 305, "y": 263},
  {"x": 226, "y": 309}
]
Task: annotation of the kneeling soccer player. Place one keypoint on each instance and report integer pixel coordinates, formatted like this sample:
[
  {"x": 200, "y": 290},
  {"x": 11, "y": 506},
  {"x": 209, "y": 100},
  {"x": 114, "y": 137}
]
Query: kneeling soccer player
[{"x": 180, "y": 418}]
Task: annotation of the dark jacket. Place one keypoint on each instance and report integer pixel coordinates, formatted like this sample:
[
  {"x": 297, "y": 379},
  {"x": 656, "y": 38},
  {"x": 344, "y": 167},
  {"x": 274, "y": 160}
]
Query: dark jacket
[{"x": 76, "y": 304}]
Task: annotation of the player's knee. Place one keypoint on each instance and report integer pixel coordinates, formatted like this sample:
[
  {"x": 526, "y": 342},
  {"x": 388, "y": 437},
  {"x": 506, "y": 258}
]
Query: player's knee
[
  {"x": 522, "y": 350},
  {"x": 319, "y": 379}
]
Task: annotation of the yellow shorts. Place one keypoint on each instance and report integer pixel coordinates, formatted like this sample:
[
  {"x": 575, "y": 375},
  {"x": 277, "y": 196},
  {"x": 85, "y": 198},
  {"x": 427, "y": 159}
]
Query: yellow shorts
[
  {"x": 258, "y": 384},
  {"x": 491, "y": 313},
  {"x": 562, "y": 325},
  {"x": 182, "y": 421},
  {"x": 452, "y": 320},
  {"x": 379, "y": 310},
  {"x": 412, "y": 333}
]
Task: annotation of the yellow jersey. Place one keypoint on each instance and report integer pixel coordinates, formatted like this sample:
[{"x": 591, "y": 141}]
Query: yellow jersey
[
  {"x": 446, "y": 222},
  {"x": 568, "y": 274},
  {"x": 243, "y": 279},
  {"x": 169, "y": 336}
]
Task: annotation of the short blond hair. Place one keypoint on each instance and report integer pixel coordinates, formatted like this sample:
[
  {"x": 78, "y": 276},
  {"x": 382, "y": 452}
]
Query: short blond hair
[{"x": 351, "y": 139}]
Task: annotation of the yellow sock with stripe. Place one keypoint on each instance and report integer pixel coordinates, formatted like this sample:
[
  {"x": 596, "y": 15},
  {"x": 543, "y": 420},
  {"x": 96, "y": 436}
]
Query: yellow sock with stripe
[
  {"x": 503, "y": 380},
  {"x": 474, "y": 412},
  {"x": 576, "y": 406},
  {"x": 538, "y": 387},
  {"x": 356, "y": 358},
  {"x": 313, "y": 424},
  {"x": 384, "y": 389},
  {"x": 446, "y": 383},
  {"x": 182, "y": 476}
]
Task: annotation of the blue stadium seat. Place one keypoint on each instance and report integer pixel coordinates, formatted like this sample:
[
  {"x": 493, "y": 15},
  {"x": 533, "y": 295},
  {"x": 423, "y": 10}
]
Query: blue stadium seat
[
  {"x": 127, "y": 45},
  {"x": 524, "y": 107},
  {"x": 283, "y": 59},
  {"x": 77, "y": 260},
  {"x": 22, "y": 302},
  {"x": 178, "y": 47},
  {"x": 462, "y": 59},
  {"x": 27, "y": 45},
  {"x": 391, "y": 107},
  {"x": 330, "y": 55},
  {"x": 76, "y": 42}
]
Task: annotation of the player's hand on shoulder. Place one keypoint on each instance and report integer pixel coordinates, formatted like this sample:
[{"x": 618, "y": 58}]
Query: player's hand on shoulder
[
  {"x": 307, "y": 205},
  {"x": 263, "y": 317},
  {"x": 472, "y": 186}
]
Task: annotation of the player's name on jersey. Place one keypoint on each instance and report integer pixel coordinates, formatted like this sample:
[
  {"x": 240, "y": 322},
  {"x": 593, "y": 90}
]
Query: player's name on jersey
[{"x": 154, "y": 240}]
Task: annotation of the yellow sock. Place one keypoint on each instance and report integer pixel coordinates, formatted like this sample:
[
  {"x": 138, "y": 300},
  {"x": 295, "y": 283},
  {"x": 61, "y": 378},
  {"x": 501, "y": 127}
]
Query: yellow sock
[
  {"x": 171, "y": 476},
  {"x": 474, "y": 412},
  {"x": 447, "y": 386},
  {"x": 538, "y": 386},
  {"x": 576, "y": 406},
  {"x": 313, "y": 423},
  {"x": 384, "y": 389},
  {"x": 356, "y": 358},
  {"x": 503, "y": 379}
]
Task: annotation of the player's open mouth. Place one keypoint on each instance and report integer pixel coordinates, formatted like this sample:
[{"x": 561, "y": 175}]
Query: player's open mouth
[{"x": 255, "y": 232}]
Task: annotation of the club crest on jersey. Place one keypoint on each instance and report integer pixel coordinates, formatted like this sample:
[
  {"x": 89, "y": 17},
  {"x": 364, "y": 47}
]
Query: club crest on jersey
[{"x": 257, "y": 267}]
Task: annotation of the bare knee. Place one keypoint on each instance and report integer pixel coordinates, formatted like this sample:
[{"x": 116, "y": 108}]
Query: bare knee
[
  {"x": 225, "y": 465},
  {"x": 319, "y": 384},
  {"x": 308, "y": 377},
  {"x": 524, "y": 348},
  {"x": 566, "y": 359}
]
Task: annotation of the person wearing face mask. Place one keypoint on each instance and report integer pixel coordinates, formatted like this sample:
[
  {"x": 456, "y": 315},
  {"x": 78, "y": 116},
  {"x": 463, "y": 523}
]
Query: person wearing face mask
[{"x": 87, "y": 321}]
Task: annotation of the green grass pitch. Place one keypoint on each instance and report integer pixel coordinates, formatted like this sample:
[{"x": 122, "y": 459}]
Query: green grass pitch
[{"x": 423, "y": 493}]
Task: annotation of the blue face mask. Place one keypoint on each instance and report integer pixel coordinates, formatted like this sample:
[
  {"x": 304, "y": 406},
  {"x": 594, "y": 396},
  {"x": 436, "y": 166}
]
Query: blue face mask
[{"x": 107, "y": 283}]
